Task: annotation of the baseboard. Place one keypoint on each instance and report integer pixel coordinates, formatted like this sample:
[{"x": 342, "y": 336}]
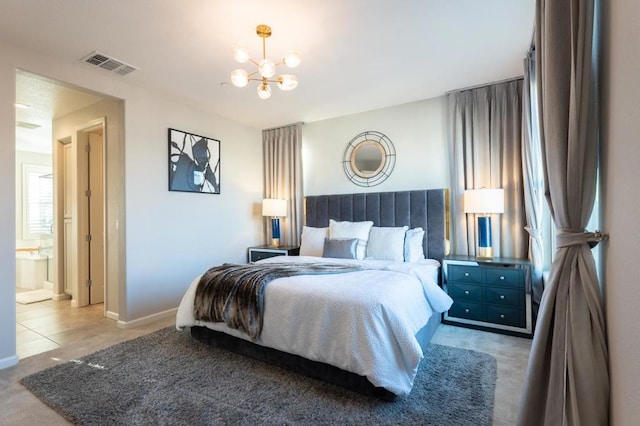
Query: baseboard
[
  {"x": 112, "y": 315},
  {"x": 148, "y": 319},
  {"x": 58, "y": 297},
  {"x": 9, "y": 361}
]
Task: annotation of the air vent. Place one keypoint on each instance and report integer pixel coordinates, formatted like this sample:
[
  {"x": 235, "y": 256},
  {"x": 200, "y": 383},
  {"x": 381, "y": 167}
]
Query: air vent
[
  {"x": 108, "y": 63},
  {"x": 26, "y": 125}
]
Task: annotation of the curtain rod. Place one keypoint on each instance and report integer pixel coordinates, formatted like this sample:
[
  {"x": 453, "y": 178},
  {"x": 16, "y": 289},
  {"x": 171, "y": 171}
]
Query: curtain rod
[
  {"x": 282, "y": 127},
  {"x": 506, "y": 80}
]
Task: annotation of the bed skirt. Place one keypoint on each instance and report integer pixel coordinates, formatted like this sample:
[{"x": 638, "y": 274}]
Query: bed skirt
[{"x": 306, "y": 367}]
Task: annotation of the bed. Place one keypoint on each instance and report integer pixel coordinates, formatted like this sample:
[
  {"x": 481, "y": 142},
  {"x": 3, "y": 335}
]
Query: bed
[{"x": 365, "y": 329}]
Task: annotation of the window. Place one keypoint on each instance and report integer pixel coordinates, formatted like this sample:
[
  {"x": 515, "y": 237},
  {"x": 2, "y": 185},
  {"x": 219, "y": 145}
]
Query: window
[{"x": 37, "y": 201}]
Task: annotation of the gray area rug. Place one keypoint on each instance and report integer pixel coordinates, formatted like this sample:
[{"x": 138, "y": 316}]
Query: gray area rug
[{"x": 169, "y": 378}]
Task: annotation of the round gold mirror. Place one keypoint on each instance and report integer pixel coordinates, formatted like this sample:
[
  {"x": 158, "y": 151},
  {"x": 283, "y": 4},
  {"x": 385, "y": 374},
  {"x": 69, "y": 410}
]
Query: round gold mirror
[{"x": 369, "y": 159}]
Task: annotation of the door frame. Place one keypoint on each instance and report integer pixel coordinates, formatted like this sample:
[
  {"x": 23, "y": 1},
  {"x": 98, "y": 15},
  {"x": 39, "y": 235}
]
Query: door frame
[{"x": 79, "y": 213}]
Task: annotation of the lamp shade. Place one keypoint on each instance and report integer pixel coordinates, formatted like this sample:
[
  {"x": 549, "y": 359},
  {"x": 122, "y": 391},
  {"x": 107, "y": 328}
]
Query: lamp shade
[
  {"x": 484, "y": 201},
  {"x": 274, "y": 207}
]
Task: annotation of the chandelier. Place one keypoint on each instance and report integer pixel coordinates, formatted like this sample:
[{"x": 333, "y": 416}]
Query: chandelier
[{"x": 266, "y": 67}]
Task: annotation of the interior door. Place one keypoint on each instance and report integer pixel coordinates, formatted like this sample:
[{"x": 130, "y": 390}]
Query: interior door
[{"x": 95, "y": 199}]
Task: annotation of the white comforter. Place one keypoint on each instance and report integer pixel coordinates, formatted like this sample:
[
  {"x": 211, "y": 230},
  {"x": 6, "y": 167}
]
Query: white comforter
[{"x": 364, "y": 322}]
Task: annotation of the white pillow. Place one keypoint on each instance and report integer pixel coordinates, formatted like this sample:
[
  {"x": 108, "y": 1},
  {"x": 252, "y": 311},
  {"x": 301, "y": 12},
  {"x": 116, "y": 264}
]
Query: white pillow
[
  {"x": 312, "y": 241},
  {"x": 359, "y": 230},
  {"x": 413, "y": 250},
  {"x": 386, "y": 243}
]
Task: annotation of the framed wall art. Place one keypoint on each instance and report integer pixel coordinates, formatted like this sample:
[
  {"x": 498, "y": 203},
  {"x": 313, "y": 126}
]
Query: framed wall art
[{"x": 194, "y": 163}]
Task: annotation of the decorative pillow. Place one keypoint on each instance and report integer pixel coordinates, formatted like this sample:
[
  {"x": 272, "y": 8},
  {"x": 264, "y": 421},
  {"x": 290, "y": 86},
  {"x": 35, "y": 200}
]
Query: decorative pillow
[
  {"x": 413, "y": 250},
  {"x": 386, "y": 243},
  {"x": 359, "y": 230},
  {"x": 312, "y": 241},
  {"x": 342, "y": 248}
]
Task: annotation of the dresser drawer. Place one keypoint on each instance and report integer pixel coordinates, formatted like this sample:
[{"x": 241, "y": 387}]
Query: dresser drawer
[
  {"x": 504, "y": 276},
  {"x": 505, "y": 316},
  {"x": 467, "y": 310},
  {"x": 465, "y": 292},
  {"x": 504, "y": 296},
  {"x": 462, "y": 273},
  {"x": 265, "y": 252},
  {"x": 255, "y": 255}
]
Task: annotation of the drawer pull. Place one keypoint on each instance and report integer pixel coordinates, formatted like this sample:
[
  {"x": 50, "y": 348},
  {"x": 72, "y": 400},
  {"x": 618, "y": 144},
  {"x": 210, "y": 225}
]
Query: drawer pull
[
  {"x": 466, "y": 292},
  {"x": 502, "y": 296},
  {"x": 502, "y": 277},
  {"x": 466, "y": 274},
  {"x": 466, "y": 311}
]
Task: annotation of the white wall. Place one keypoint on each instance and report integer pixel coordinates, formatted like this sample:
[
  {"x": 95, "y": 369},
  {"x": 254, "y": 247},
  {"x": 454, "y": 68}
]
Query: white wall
[
  {"x": 169, "y": 236},
  {"x": 620, "y": 134},
  {"x": 172, "y": 236},
  {"x": 417, "y": 131}
]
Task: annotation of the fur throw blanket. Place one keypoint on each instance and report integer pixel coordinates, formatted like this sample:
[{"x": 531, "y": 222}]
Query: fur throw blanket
[{"x": 234, "y": 293}]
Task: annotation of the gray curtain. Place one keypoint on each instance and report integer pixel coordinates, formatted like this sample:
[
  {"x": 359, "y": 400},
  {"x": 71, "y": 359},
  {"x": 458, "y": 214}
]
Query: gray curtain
[
  {"x": 567, "y": 381},
  {"x": 282, "y": 153},
  {"x": 485, "y": 128},
  {"x": 532, "y": 173}
]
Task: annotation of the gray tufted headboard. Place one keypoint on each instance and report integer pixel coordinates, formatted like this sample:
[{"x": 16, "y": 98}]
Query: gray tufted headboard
[{"x": 424, "y": 208}]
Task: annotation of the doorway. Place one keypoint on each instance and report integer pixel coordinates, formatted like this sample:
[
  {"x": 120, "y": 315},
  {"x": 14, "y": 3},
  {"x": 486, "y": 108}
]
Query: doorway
[{"x": 62, "y": 115}]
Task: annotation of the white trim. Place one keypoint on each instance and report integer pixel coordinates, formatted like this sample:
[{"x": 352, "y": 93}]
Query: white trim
[
  {"x": 58, "y": 297},
  {"x": 112, "y": 315},
  {"x": 9, "y": 361},
  {"x": 148, "y": 319}
]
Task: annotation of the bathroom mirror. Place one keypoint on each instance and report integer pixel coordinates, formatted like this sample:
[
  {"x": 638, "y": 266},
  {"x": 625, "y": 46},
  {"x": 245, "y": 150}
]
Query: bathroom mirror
[{"x": 369, "y": 158}]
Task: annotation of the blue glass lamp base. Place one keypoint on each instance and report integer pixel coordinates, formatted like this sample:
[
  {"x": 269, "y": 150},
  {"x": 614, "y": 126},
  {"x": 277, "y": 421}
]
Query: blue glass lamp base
[
  {"x": 484, "y": 237},
  {"x": 275, "y": 232}
]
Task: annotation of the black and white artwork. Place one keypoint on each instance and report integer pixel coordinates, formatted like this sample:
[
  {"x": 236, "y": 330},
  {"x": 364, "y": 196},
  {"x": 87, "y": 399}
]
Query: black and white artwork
[{"x": 194, "y": 163}]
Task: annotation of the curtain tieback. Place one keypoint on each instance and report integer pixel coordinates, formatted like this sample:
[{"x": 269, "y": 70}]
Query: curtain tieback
[
  {"x": 570, "y": 237},
  {"x": 534, "y": 232}
]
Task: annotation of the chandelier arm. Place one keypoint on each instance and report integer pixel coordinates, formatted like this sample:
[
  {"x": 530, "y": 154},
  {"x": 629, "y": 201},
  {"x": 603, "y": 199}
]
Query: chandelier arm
[{"x": 256, "y": 63}]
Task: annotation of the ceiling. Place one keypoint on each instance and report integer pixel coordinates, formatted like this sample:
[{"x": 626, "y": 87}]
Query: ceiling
[
  {"x": 46, "y": 99},
  {"x": 358, "y": 55}
]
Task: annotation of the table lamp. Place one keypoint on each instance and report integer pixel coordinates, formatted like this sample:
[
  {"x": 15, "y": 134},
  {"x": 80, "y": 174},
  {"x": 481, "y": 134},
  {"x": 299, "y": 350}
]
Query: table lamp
[
  {"x": 484, "y": 202},
  {"x": 274, "y": 208}
]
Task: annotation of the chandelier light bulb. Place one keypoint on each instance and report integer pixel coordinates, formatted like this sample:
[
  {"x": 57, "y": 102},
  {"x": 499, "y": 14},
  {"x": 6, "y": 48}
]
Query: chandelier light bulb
[
  {"x": 267, "y": 68},
  {"x": 264, "y": 91},
  {"x": 287, "y": 82},
  {"x": 240, "y": 53},
  {"x": 292, "y": 59},
  {"x": 239, "y": 78}
]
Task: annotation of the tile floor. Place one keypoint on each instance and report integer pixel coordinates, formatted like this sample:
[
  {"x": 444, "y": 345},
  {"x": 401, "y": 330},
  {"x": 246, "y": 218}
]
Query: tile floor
[
  {"x": 51, "y": 332},
  {"x": 48, "y": 325}
]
